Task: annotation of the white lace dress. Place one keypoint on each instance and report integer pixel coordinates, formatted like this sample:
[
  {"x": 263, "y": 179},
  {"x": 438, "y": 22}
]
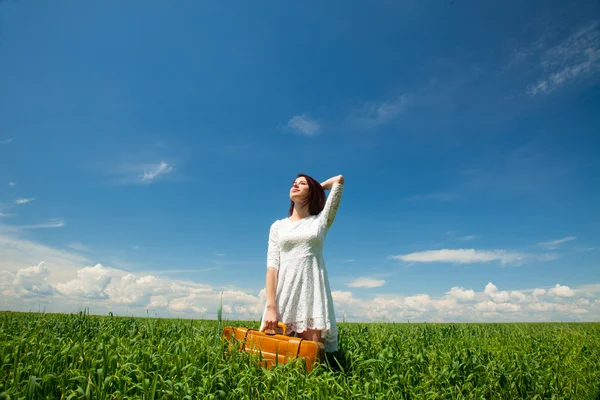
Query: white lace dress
[{"x": 303, "y": 295}]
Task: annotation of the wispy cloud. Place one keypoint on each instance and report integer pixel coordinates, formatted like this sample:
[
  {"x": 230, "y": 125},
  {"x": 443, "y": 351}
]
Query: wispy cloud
[
  {"x": 15, "y": 229},
  {"x": 153, "y": 172},
  {"x": 374, "y": 114},
  {"x": 24, "y": 200},
  {"x": 439, "y": 196},
  {"x": 2, "y": 215},
  {"x": 555, "y": 244},
  {"x": 578, "y": 56},
  {"x": 56, "y": 223},
  {"x": 136, "y": 170},
  {"x": 470, "y": 256},
  {"x": 78, "y": 246},
  {"x": 461, "y": 256},
  {"x": 467, "y": 238},
  {"x": 11, "y": 184},
  {"x": 366, "y": 283},
  {"x": 584, "y": 249},
  {"x": 304, "y": 125},
  {"x": 6, "y": 141}
]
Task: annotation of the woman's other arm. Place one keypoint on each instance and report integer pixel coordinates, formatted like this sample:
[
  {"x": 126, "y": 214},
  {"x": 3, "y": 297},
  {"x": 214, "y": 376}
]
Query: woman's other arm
[
  {"x": 271, "y": 289},
  {"x": 270, "y": 322}
]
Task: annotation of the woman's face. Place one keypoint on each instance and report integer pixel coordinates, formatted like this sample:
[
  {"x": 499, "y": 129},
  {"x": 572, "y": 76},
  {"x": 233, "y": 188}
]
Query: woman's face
[{"x": 299, "y": 190}]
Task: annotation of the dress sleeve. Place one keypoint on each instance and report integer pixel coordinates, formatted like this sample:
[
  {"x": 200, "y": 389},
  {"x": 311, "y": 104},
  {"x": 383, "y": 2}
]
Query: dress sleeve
[
  {"x": 273, "y": 247},
  {"x": 331, "y": 206}
]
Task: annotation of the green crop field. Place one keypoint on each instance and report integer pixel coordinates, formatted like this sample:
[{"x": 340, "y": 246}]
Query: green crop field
[{"x": 90, "y": 357}]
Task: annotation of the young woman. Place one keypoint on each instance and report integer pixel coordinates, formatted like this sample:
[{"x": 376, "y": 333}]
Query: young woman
[{"x": 297, "y": 286}]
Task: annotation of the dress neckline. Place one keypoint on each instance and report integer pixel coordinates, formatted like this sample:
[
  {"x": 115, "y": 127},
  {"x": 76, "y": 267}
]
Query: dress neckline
[{"x": 298, "y": 220}]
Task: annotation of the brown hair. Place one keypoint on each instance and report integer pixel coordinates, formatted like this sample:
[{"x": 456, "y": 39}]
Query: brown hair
[{"x": 316, "y": 196}]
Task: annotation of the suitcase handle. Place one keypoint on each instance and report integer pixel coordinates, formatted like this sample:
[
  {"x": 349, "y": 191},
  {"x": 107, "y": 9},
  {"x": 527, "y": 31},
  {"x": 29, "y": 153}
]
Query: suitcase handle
[{"x": 279, "y": 325}]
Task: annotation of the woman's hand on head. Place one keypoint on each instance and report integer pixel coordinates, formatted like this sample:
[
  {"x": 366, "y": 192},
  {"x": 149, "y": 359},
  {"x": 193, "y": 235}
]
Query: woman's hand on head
[{"x": 329, "y": 182}]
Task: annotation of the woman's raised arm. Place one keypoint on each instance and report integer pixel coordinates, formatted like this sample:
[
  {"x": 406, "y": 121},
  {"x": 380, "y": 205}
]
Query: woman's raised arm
[{"x": 336, "y": 184}]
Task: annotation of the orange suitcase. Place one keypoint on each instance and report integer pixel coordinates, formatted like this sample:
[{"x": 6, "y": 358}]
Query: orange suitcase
[{"x": 275, "y": 348}]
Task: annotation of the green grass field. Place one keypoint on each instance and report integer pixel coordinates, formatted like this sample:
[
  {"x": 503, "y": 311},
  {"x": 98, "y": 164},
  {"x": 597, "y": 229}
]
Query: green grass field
[{"x": 88, "y": 357}]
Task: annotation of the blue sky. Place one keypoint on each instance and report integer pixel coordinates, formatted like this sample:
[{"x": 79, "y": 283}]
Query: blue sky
[{"x": 146, "y": 148}]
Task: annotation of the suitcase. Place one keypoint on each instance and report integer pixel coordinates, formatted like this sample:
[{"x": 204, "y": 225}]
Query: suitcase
[{"x": 274, "y": 348}]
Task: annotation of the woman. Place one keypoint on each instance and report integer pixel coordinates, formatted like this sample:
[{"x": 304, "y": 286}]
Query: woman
[{"x": 297, "y": 286}]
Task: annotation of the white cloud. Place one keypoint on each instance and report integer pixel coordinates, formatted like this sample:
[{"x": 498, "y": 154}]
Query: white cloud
[
  {"x": 33, "y": 279},
  {"x": 591, "y": 290},
  {"x": 108, "y": 289},
  {"x": 342, "y": 297},
  {"x": 490, "y": 306},
  {"x": 304, "y": 125},
  {"x": 561, "y": 291},
  {"x": 570, "y": 309},
  {"x": 11, "y": 184},
  {"x": 152, "y": 172},
  {"x": 158, "y": 302},
  {"x": 540, "y": 307},
  {"x": 17, "y": 253},
  {"x": 91, "y": 283},
  {"x": 24, "y": 200},
  {"x": 183, "y": 304},
  {"x": 576, "y": 57},
  {"x": 378, "y": 308},
  {"x": 419, "y": 302},
  {"x": 115, "y": 290},
  {"x": 497, "y": 296},
  {"x": 5, "y": 141},
  {"x": 462, "y": 256},
  {"x": 554, "y": 244},
  {"x": 461, "y": 294},
  {"x": 379, "y": 113},
  {"x": 583, "y": 302},
  {"x": 24, "y": 285},
  {"x": 492, "y": 292},
  {"x": 366, "y": 283},
  {"x": 132, "y": 291},
  {"x": 518, "y": 297}
]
